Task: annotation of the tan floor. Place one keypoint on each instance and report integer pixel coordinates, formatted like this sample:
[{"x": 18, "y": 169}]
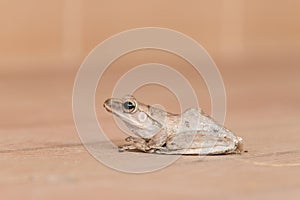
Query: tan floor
[{"x": 41, "y": 156}]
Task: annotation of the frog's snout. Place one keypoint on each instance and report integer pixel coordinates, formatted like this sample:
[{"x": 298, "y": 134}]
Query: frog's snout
[
  {"x": 113, "y": 105},
  {"x": 108, "y": 105}
]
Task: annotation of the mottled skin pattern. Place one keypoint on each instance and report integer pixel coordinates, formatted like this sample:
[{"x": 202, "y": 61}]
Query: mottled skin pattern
[{"x": 157, "y": 131}]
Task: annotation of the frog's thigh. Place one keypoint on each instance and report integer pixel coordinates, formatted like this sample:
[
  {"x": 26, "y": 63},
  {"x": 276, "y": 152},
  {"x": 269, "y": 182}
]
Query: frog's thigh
[{"x": 199, "y": 142}]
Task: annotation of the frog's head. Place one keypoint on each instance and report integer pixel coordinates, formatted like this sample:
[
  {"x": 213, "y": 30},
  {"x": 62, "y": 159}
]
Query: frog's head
[{"x": 138, "y": 117}]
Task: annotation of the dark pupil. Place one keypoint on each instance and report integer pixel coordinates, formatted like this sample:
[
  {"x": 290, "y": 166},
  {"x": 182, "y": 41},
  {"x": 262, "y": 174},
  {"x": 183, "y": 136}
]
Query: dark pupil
[{"x": 128, "y": 105}]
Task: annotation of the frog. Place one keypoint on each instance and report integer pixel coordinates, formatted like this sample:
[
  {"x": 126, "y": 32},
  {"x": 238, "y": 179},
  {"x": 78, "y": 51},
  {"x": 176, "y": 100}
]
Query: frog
[{"x": 155, "y": 130}]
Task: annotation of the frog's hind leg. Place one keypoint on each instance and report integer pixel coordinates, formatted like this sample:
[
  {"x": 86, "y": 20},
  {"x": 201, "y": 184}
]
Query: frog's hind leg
[
  {"x": 196, "y": 151},
  {"x": 200, "y": 143}
]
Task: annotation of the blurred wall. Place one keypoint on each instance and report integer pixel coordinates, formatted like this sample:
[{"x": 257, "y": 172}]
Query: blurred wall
[{"x": 38, "y": 33}]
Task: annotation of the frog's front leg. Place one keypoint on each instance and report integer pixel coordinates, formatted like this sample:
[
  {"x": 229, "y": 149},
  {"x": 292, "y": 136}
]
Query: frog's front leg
[
  {"x": 145, "y": 145},
  {"x": 158, "y": 140},
  {"x": 135, "y": 144}
]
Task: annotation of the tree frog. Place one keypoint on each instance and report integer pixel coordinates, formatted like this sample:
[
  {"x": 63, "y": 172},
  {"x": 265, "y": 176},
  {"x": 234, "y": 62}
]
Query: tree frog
[{"x": 161, "y": 132}]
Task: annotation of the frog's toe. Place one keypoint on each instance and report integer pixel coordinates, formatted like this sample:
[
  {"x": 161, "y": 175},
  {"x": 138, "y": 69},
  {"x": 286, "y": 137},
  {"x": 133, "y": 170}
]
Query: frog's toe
[
  {"x": 129, "y": 139},
  {"x": 120, "y": 149},
  {"x": 126, "y": 147}
]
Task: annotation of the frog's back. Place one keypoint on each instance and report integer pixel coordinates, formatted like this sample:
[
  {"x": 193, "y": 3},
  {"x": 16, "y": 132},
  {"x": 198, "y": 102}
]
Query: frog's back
[{"x": 195, "y": 119}]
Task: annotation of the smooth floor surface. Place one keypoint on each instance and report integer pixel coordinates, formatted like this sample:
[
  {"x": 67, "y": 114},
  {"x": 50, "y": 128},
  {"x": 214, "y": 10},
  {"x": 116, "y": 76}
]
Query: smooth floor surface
[{"x": 41, "y": 156}]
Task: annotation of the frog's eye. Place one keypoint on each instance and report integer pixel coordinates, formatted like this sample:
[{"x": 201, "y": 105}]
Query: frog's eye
[{"x": 129, "y": 106}]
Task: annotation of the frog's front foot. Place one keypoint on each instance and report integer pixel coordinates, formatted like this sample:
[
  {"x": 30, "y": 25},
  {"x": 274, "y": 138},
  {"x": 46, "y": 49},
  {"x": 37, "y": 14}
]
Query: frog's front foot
[
  {"x": 126, "y": 147},
  {"x": 135, "y": 144},
  {"x": 129, "y": 139},
  {"x": 135, "y": 139},
  {"x": 139, "y": 144}
]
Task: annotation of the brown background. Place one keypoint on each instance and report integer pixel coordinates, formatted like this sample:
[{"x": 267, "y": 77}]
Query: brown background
[{"x": 256, "y": 45}]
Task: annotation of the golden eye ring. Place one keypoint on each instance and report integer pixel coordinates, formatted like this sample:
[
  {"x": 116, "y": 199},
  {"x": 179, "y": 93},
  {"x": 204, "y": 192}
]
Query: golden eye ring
[{"x": 129, "y": 106}]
